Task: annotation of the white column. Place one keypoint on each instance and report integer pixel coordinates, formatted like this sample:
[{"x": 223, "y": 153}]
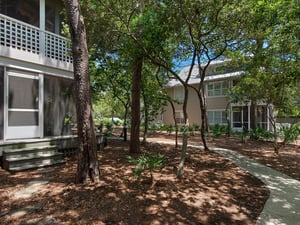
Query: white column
[
  {"x": 42, "y": 29},
  {"x": 5, "y": 108},
  {"x": 41, "y": 101},
  {"x": 249, "y": 113}
]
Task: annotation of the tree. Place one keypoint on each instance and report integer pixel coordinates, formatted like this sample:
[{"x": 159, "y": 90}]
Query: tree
[
  {"x": 112, "y": 86},
  {"x": 153, "y": 97},
  {"x": 87, "y": 165},
  {"x": 269, "y": 48},
  {"x": 122, "y": 19}
]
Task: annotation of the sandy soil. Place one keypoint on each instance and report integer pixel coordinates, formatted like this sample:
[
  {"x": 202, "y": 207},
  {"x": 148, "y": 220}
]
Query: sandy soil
[{"x": 212, "y": 190}]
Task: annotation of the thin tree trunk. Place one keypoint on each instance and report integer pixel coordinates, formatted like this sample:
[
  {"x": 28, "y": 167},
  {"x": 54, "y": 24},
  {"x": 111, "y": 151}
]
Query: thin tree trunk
[
  {"x": 175, "y": 123},
  {"x": 185, "y": 136},
  {"x": 87, "y": 166},
  {"x": 228, "y": 120},
  {"x": 134, "y": 145},
  {"x": 125, "y": 124},
  {"x": 145, "y": 123},
  {"x": 273, "y": 122},
  {"x": 203, "y": 121},
  {"x": 253, "y": 115}
]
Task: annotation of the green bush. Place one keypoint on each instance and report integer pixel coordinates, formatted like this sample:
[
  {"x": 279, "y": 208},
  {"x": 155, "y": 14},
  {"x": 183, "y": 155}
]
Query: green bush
[
  {"x": 196, "y": 127},
  {"x": 218, "y": 130},
  {"x": 242, "y": 135},
  {"x": 146, "y": 162},
  {"x": 170, "y": 129},
  {"x": 260, "y": 133},
  {"x": 181, "y": 129},
  {"x": 152, "y": 127},
  {"x": 290, "y": 133}
]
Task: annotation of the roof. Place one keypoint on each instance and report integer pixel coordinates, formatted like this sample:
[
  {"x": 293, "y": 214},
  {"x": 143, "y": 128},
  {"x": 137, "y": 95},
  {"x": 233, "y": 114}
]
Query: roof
[{"x": 195, "y": 76}]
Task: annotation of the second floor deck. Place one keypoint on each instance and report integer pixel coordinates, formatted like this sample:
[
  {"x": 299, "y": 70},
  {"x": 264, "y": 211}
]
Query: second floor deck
[{"x": 24, "y": 42}]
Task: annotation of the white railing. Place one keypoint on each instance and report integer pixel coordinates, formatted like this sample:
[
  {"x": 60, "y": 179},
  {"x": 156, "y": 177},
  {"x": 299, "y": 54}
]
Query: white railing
[
  {"x": 24, "y": 37},
  {"x": 58, "y": 47},
  {"x": 18, "y": 35}
]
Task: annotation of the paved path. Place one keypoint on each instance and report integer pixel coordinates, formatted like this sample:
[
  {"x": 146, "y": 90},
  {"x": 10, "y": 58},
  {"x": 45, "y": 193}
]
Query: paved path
[{"x": 283, "y": 205}]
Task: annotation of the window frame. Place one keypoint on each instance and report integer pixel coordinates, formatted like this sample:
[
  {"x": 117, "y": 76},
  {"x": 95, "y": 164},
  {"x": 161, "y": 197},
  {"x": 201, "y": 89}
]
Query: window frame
[
  {"x": 212, "y": 91},
  {"x": 178, "y": 94},
  {"x": 222, "y": 117}
]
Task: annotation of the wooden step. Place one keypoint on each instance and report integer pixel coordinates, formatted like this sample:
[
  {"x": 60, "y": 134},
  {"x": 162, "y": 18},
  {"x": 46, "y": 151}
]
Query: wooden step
[{"x": 31, "y": 157}]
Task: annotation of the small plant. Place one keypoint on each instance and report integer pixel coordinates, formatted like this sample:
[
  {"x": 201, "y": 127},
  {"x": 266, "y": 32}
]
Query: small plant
[
  {"x": 290, "y": 133},
  {"x": 218, "y": 130},
  {"x": 260, "y": 133},
  {"x": 170, "y": 129},
  {"x": 181, "y": 129},
  {"x": 196, "y": 127},
  {"x": 243, "y": 135},
  {"x": 146, "y": 162},
  {"x": 67, "y": 119},
  {"x": 191, "y": 130}
]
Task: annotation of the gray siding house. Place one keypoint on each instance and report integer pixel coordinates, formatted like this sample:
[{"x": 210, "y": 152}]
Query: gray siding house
[
  {"x": 219, "y": 77},
  {"x": 36, "y": 79}
]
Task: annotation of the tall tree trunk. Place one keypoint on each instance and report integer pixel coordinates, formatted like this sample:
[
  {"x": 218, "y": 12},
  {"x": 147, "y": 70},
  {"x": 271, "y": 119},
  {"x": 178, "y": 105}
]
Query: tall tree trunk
[
  {"x": 253, "y": 116},
  {"x": 185, "y": 134},
  {"x": 146, "y": 116},
  {"x": 228, "y": 113},
  {"x": 203, "y": 128},
  {"x": 185, "y": 137},
  {"x": 87, "y": 166},
  {"x": 273, "y": 123},
  {"x": 125, "y": 123},
  {"x": 134, "y": 145},
  {"x": 175, "y": 123}
]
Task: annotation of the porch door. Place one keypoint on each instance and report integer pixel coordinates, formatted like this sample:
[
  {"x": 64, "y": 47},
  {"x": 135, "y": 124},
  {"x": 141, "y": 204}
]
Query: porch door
[
  {"x": 237, "y": 118},
  {"x": 240, "y": 120},
  {"x": 23, "y": 106}
]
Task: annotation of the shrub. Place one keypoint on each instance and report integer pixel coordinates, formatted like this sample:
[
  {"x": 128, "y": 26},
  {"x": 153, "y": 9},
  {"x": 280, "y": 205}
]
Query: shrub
[
  {"x": 260, "y": 133},
  {"x": 170, "y": 129},
  {"x": 196, "y": 127},
  {"x": 154, "y": 127},
  {"x": 243, "y": 135},
  {"x": 191, "y": 130},
  {"x": 217, "y": 130},
  {"x": 146, "y": 162},
  {"x": 290, "y": 133}
]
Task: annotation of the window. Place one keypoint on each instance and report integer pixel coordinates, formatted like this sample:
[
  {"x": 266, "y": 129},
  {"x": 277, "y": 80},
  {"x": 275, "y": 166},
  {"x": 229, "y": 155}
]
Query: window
[
  {"x": 179, "y": 117},
  {"x": 217, "y": 88},
  {"x": 26, "y": 11},
  {"x": 240, "y": 117},
  {"x": 178, "y": 93},
  {"x": 262, "y": 117},
  {"x": 216, "y": 117}
]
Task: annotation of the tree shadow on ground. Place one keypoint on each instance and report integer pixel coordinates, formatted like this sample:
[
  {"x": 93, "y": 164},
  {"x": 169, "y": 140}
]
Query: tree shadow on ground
[{"x": 212, "y": 191}]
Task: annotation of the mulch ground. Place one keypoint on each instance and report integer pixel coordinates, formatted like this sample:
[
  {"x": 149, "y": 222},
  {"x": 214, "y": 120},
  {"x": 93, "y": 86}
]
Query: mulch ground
[{"x": 212, "y": 190}]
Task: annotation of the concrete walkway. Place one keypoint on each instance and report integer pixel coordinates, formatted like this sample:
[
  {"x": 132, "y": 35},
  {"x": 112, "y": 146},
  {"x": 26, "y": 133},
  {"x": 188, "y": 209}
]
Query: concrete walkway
[{"x": 283, "y": 205}]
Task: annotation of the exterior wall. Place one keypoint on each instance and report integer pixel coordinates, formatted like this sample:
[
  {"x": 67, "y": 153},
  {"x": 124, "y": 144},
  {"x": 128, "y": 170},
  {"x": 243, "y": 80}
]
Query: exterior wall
[
  {"x": 168, "y": 114},
  {"x": 59, "y": 106},
  {"x": 40, "y": 51},
  {"x": 216, "y": 103},
  {"x": 58, "y": 102},
  {"x": 193, "y": 109}
]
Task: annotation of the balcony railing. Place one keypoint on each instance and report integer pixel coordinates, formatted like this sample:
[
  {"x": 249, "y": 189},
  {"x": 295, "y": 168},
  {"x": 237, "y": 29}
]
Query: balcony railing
[{"x": 24, "y": 37}]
